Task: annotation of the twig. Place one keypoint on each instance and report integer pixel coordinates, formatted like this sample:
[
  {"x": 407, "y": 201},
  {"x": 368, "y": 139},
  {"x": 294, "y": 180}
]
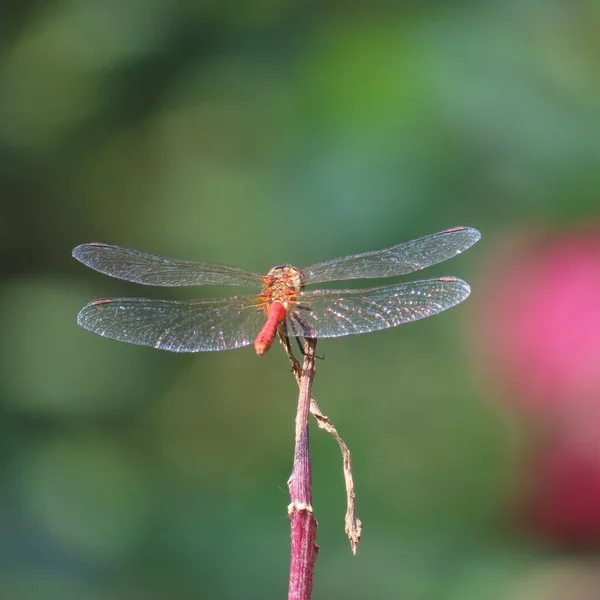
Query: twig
[
  {"x": 303, "y": 525},
  {"x": 353, "y": 525}
]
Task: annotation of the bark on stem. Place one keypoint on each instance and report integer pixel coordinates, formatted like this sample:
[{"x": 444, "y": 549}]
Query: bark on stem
[
  {"x": 353, "y": 524},
  {"x": 303, "y": 526}
]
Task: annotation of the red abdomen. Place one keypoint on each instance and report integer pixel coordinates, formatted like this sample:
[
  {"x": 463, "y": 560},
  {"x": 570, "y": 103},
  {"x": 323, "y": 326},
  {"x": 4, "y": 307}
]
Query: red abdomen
[{"x": 275, "y": 315}]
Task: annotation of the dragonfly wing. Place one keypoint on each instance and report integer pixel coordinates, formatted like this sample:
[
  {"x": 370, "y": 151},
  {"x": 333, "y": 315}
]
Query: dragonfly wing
[
  {"x": 177, "y": 326},
  {"x": 151, "y": 269},
  {"x": 334, "y": 313},
  {"x": 396, "y": 260}
]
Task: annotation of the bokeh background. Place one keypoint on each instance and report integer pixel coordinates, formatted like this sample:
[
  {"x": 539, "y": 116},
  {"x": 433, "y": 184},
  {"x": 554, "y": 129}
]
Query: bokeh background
[{"x": 260, "y": 133}]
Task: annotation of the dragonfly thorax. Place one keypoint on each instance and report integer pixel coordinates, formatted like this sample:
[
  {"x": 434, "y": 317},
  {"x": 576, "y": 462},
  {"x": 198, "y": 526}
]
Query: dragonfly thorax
[{"x": 282, "y": 283}]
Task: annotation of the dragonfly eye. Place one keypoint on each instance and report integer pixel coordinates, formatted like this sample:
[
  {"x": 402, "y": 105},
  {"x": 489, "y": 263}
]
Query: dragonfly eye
[
  {"x": 291, "y": 276},
  {"x": 279, "y": 270}
]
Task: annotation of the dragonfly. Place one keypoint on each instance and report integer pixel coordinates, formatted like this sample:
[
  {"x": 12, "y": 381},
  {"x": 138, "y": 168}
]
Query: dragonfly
[{"x": 280, "y": 305}]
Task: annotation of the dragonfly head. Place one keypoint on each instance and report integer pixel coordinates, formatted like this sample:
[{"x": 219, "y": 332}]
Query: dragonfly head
[{"x": 290, "y": 276}]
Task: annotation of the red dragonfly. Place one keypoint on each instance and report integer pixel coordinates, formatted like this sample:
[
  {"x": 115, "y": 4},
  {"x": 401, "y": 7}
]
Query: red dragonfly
[{"x": 283, "y": 306}]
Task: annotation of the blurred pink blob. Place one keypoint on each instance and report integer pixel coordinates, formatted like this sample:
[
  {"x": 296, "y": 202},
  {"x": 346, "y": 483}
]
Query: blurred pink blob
[
  {"x": 562, "y": 493},
  {"x": 540, "y": 318},
  {"x": 537, "y": 337}
]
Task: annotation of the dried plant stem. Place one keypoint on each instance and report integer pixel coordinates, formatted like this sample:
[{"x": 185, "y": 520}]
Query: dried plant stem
[
  {"x": 353, "y": 525},
  {"x": 303, "y": 525}
]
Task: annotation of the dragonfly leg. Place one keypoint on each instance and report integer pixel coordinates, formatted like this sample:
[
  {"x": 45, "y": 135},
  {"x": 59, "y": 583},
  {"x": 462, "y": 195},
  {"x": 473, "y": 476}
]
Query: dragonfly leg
[
  {"x": 306, "y": 329},
  {"x": 285, "y": 340}
]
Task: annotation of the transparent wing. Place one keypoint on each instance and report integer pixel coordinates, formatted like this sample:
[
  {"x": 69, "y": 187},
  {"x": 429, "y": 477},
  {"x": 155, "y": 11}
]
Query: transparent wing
[
  {"x": 150, "y": 269},
  {"x": 396, "y": 260},
  {"x": 186, "y": 326},
  {"x": 333, "y": 313}
]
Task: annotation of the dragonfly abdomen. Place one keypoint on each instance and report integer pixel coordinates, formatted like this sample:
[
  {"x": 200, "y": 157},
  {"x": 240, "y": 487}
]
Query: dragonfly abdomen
[{"x": 275, "y": 315}]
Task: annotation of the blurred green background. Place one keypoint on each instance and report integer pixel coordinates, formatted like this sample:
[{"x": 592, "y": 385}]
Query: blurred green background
[{"x": 254, "y": 134}]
